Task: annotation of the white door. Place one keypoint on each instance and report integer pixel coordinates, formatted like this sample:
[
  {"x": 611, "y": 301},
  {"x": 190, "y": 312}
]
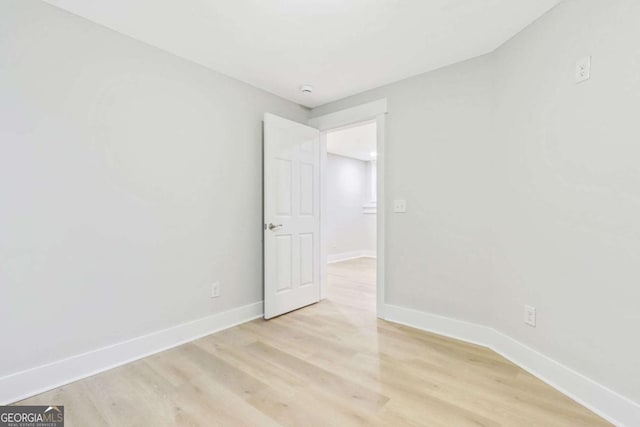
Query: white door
[{"x": 291, "y": 215}]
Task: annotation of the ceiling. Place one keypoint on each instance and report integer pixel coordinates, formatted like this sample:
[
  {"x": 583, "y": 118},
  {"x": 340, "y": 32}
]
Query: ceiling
[
  {"x": 357, "y": 142},
  {"x": 341, "y": 47}
]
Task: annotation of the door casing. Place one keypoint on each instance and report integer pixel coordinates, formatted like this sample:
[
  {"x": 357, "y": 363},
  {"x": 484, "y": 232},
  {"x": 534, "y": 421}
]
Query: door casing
[{"x": 376, "y": 110}]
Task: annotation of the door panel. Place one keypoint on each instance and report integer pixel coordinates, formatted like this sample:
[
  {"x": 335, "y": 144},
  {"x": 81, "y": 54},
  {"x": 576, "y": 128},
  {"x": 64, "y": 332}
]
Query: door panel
[
  {"x": 306, "y": 189},
  {"x": 291, "y": 215},
  {"x": 284, "y": 191},
  {"x": 283, "y": 263},
  {"x": 306, "y": 259}
]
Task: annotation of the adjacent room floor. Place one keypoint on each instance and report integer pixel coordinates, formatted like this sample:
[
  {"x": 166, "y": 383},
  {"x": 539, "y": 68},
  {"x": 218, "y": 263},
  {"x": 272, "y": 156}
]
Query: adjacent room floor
[{"x": 330, "y": 364}]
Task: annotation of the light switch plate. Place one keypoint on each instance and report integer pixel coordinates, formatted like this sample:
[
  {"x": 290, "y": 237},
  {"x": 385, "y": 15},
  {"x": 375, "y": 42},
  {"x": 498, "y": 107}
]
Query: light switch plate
[
  {"x": 583, "y": 69},
  {"x": 399, "y": 206}
]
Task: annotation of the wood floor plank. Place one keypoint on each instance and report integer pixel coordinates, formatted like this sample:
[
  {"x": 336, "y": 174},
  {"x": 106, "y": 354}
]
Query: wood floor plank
[{"x": 329, "y": 364}]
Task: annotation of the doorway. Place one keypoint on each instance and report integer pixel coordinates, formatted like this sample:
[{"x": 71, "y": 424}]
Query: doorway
[
  {"x": 351, "y": 209},
  {"x": 371, "y": 112},
  {"x": 296, "y": 234}
]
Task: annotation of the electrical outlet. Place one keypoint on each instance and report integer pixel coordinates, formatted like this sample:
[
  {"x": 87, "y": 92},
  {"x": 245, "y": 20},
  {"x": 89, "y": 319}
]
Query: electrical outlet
[
  {"x": 399, "y": 206},
  {"x": 530, "y": 315},
  {"x": 215, "y": 290},
  {"x": 583, "y": 69}
]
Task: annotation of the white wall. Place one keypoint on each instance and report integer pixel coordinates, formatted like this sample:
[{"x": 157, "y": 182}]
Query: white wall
[
  {"x": 130, "y": 180},
  {"x": 350, "y": 231},
  {"x": 523, "y": 188},
  {"x": 436, "y": 158},
  {"x": 567, "y": 224}
]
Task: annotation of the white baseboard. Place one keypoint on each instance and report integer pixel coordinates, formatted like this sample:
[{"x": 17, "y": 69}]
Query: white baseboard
[
  {"x": 369, "y": 254},
  {"x": 346, "y": 256},
  {"x": 30, "y": 382},
  {"x": 605, "y": 402}
]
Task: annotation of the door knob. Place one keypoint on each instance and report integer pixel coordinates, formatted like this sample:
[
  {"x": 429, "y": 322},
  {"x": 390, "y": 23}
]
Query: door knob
[{"x": 273, "y": 227}]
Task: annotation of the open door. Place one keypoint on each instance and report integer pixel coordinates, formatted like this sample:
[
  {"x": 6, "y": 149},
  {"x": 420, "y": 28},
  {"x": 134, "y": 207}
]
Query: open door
[{"x": 291, "y": 215}]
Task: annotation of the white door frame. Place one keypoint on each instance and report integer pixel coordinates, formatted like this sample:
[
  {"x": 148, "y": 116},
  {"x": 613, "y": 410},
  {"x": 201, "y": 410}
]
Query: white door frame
[{"x": 377, "y": 111}]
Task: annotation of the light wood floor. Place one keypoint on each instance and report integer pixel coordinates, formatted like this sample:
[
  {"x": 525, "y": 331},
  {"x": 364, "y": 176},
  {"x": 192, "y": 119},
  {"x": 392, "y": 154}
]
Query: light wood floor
[{"x": 330, "y": 364}]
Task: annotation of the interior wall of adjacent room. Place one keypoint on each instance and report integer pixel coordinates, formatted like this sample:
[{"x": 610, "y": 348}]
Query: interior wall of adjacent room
[
  {"x": 131, "y": 180},
  {"x": 351, "y": 231}
]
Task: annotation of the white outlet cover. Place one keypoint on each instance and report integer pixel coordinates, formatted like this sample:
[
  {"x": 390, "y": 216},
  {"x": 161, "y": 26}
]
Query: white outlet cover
[
  {"x": 399, "y": 206},
  {"x": 215, "y": 290},
  {"x": 530, "y": 315},
  {"x": 583, "y": 69}
]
